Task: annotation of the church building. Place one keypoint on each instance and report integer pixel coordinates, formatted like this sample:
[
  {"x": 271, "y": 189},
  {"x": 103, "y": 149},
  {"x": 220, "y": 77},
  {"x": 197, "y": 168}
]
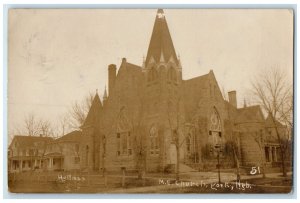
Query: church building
[{"x": 153, "y": 119}]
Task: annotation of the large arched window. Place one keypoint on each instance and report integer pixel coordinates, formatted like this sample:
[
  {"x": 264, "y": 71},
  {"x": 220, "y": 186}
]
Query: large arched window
[
  {"x": 154, "y": 140},
  {"x": 124, "y": 138},
  {"x": 215, "y": 133}
]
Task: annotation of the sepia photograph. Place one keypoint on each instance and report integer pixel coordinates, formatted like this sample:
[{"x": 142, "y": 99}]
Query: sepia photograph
[{"x": 150, "y": 101}]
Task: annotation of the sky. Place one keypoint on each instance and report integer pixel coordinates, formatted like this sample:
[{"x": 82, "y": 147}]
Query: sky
[{"x": 58, "y": 56}]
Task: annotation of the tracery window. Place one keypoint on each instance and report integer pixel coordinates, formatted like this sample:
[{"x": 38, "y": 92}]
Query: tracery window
[
  {"x": 154, "y": 141},
  {"x": 124, "y": 145},
  {"x": 215, "y": 133}
]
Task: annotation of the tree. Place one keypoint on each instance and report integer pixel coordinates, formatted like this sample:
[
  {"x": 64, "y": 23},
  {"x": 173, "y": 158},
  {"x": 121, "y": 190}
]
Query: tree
[
  {"x": 36, "y": 126},
  {"x": 173, "y": 111},
  {"x": 259, "y": 139},
  {"x": 273, "y": 92},
  {"x": 79, "y": 111}
]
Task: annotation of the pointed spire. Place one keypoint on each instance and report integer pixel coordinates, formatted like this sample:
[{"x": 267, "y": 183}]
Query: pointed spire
[
  {"x": 93, "y": 115},
  {"x": 179, "y": 61},
  {"x": 161, "y": 41},
  {"x": 105, "y": 94}
]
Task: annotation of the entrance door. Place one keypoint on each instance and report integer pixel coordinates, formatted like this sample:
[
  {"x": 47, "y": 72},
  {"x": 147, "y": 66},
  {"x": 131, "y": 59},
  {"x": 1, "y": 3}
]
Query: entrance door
[{"x": 173, "y": 154}]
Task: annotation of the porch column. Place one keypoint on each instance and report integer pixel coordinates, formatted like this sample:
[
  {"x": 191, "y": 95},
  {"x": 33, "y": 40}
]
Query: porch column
[
  {"x": 21, "y": 165},
  {"x": 275, "y": 153},
  {"x": 40, "y": 164},
  {"x": 270, "y": 154}
]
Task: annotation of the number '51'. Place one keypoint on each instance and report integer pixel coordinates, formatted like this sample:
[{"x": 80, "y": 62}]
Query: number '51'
[{"x": 255, "y": 170}]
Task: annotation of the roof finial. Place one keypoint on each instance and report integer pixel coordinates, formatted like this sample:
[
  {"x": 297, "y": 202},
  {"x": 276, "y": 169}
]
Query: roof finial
[
  {"x": 143, "y": 66},
  {"x": 160, "y": 13},
  {"x": 96, "y": 91}
]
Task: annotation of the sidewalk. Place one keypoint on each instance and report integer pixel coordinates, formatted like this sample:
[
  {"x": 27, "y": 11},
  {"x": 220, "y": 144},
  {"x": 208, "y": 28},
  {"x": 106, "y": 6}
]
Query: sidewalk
[{"x": 195, "y": 177}]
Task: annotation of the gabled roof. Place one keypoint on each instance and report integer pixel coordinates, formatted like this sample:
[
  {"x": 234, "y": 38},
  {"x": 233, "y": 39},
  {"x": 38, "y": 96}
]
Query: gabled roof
[
  {"x": 161, "y": 42},
  {"x": 129, "y": 68},
  {"x": 192, "y": 93},
  {"x": 270, "y": 123},
  {"x": 249, "y": 114},
  {"x": 74, "y": 136},
  {"x": 128, "y": 71},
  {"x": 94, "y": 113},
  {"x": 25, "y": 141}
]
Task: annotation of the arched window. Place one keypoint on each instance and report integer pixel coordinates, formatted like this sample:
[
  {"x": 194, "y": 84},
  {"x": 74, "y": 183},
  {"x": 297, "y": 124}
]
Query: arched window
[
  {"x": 87, "y": 155},
  {"x": 188, "y": 143},
  {"x": 215, "y": 133},
  {"x": 154, "y": 141},
  {"x": 152, "y": 74},
  {"x": 124, "y": 143}
]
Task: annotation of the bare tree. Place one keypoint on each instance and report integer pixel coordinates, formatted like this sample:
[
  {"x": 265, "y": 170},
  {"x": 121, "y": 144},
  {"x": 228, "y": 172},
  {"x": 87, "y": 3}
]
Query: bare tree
[
  {"x": 32, "y": 125},
  {"x": 35, "y": 126},
  {"x": 176, "y": 127},
  {"x": 273, "y": 92},
  {"x": 259, "y": 139},
  {"x": 45, "y": 128},
  {"x": 79, "y": 111}
]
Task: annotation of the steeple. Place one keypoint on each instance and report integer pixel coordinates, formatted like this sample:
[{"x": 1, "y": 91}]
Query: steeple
[
  {"x": 161, "y": 42},
  {"x": 105, "y": 94},
  {"x": 93, "y": 115}
]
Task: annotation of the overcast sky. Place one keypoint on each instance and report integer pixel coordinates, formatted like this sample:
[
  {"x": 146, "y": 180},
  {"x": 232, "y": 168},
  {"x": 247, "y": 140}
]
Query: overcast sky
[{"x": 59, "y": 56}]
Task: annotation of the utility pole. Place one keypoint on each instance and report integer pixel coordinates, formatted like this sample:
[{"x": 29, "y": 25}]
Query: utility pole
[{"x": 218, "y": 149}]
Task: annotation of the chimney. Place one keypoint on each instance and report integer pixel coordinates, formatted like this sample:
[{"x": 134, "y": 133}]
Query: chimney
[
  {"x": 232, "y": 98},
  {"x": 112, "y": 73}
]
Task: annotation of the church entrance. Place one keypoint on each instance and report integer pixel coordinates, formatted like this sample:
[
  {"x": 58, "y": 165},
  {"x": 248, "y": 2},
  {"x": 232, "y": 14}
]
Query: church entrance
[{"x": 173, "y": 154}]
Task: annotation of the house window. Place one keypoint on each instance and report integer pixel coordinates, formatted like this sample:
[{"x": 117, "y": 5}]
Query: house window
[
  {"x": 267, "y": 154},
  {"x": 87, "y": 155},
  {"x": 154, "y": 141},
  {"x": 124, "y": 145},
  {"x": 76, "y": 148},
  {"x": 76, "y": 160},
  {"x": 188, "y": 143}
]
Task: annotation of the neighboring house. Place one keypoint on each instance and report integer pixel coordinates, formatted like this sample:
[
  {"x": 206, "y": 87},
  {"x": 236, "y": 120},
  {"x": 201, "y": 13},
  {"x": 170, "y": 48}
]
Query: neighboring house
[
  {"x": 272, "y": 146},
  {"x": 27, "y": 153},
  {"x": 64, "y": 153}
]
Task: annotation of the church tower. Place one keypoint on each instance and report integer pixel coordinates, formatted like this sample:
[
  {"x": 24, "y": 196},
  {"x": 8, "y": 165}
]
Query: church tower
[{"x": 163, "y": 76}]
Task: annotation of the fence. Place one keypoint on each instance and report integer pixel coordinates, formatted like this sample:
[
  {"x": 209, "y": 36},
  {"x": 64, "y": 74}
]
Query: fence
[{"x": 66, "y": 181}]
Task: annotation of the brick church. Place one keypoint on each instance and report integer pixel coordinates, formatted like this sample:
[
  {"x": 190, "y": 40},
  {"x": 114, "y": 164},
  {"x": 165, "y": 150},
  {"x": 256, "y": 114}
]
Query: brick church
[{"x": 152, "y": 118}]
